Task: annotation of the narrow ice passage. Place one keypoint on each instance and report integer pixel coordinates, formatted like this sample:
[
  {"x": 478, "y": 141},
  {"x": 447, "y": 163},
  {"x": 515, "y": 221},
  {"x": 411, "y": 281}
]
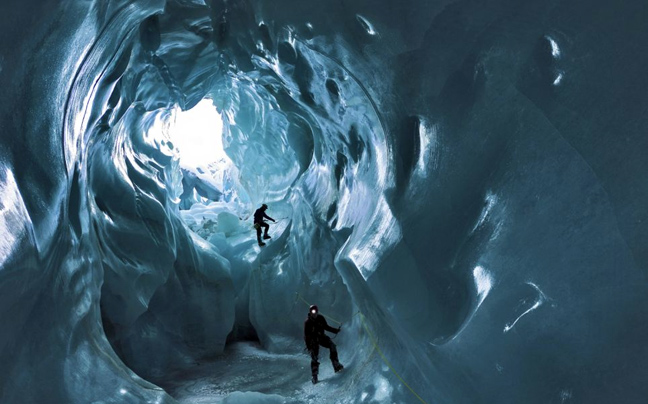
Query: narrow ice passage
[{"x": 460, "y": 184}]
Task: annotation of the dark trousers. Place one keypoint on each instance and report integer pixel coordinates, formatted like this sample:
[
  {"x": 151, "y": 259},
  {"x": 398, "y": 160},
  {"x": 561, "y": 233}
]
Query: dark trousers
[
  {"x": 314, "y": 351},
  {"x": 258, "y": 227}
]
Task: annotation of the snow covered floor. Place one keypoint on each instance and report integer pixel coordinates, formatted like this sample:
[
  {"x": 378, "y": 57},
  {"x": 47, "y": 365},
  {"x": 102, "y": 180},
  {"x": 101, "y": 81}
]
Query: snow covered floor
[{"x": 245, "y": 373}]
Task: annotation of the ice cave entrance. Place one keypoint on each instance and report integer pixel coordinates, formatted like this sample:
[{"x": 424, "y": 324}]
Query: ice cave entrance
[
  {"x": 208, "y": 191},
  {"x": 197, "y": 136}
]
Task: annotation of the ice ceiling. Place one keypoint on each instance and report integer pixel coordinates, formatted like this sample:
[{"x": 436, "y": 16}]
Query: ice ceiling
[{"x": 460, "y": 183}]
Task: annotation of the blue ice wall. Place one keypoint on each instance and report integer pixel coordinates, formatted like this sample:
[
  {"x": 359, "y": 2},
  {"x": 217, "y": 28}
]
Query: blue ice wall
[{"x": 463, "y": 179}]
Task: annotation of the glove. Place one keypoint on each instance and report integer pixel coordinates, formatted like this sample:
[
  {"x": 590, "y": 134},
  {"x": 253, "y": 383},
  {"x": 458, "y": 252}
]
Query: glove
[{"x": 339, "y": 329}]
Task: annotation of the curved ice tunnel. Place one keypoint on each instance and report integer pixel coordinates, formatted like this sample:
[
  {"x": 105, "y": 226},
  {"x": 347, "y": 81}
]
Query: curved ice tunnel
[{"x": 442, "y": 169}]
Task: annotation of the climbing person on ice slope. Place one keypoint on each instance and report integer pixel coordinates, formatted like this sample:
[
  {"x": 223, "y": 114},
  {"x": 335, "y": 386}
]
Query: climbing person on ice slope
[
  {"x": 314, "y": 336},
  {"x": 259, "y": 215}
]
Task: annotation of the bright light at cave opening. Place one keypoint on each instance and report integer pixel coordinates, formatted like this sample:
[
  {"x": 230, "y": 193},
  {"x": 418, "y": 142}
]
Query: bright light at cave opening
[{"x": 197, "y": 134}]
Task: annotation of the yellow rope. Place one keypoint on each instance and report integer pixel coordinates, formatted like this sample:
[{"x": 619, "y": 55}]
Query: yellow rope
[
  {"x": 373, "y": 341},
  {"x": 376, "y": 348}
]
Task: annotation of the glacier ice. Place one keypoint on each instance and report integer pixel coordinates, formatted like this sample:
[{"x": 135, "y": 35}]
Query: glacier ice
[{"x": 459, "y": 184}]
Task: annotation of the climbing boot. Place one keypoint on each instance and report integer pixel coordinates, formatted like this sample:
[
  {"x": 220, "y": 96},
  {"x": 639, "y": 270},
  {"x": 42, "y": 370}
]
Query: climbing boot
[
  {"x": 337, "y": 367},
  {"x": 314, "y": 379},
  {"x": 265, "y": 237},
  {"x": 261, "y": 243}
]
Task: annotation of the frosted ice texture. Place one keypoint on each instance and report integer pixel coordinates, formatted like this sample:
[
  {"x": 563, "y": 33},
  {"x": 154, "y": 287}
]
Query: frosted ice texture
[{"x": 468, "y": 176}]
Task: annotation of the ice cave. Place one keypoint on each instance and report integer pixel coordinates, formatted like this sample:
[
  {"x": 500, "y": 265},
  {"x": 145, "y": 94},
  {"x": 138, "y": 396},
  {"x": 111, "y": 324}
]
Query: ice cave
[{"x": 461, "y": 186}]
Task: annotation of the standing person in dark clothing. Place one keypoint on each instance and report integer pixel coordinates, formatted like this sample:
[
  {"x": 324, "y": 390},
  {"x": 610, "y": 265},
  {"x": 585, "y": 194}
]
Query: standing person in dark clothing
[
  {"x": 314, "y": 336},
  {"x": 259, "y": 215}
]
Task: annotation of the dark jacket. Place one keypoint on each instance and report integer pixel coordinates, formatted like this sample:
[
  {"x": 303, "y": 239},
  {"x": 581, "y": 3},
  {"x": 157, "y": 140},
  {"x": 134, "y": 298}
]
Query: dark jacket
[
  {"x": 259, "y": 214},
  {"x": 314, "y": 330}
]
